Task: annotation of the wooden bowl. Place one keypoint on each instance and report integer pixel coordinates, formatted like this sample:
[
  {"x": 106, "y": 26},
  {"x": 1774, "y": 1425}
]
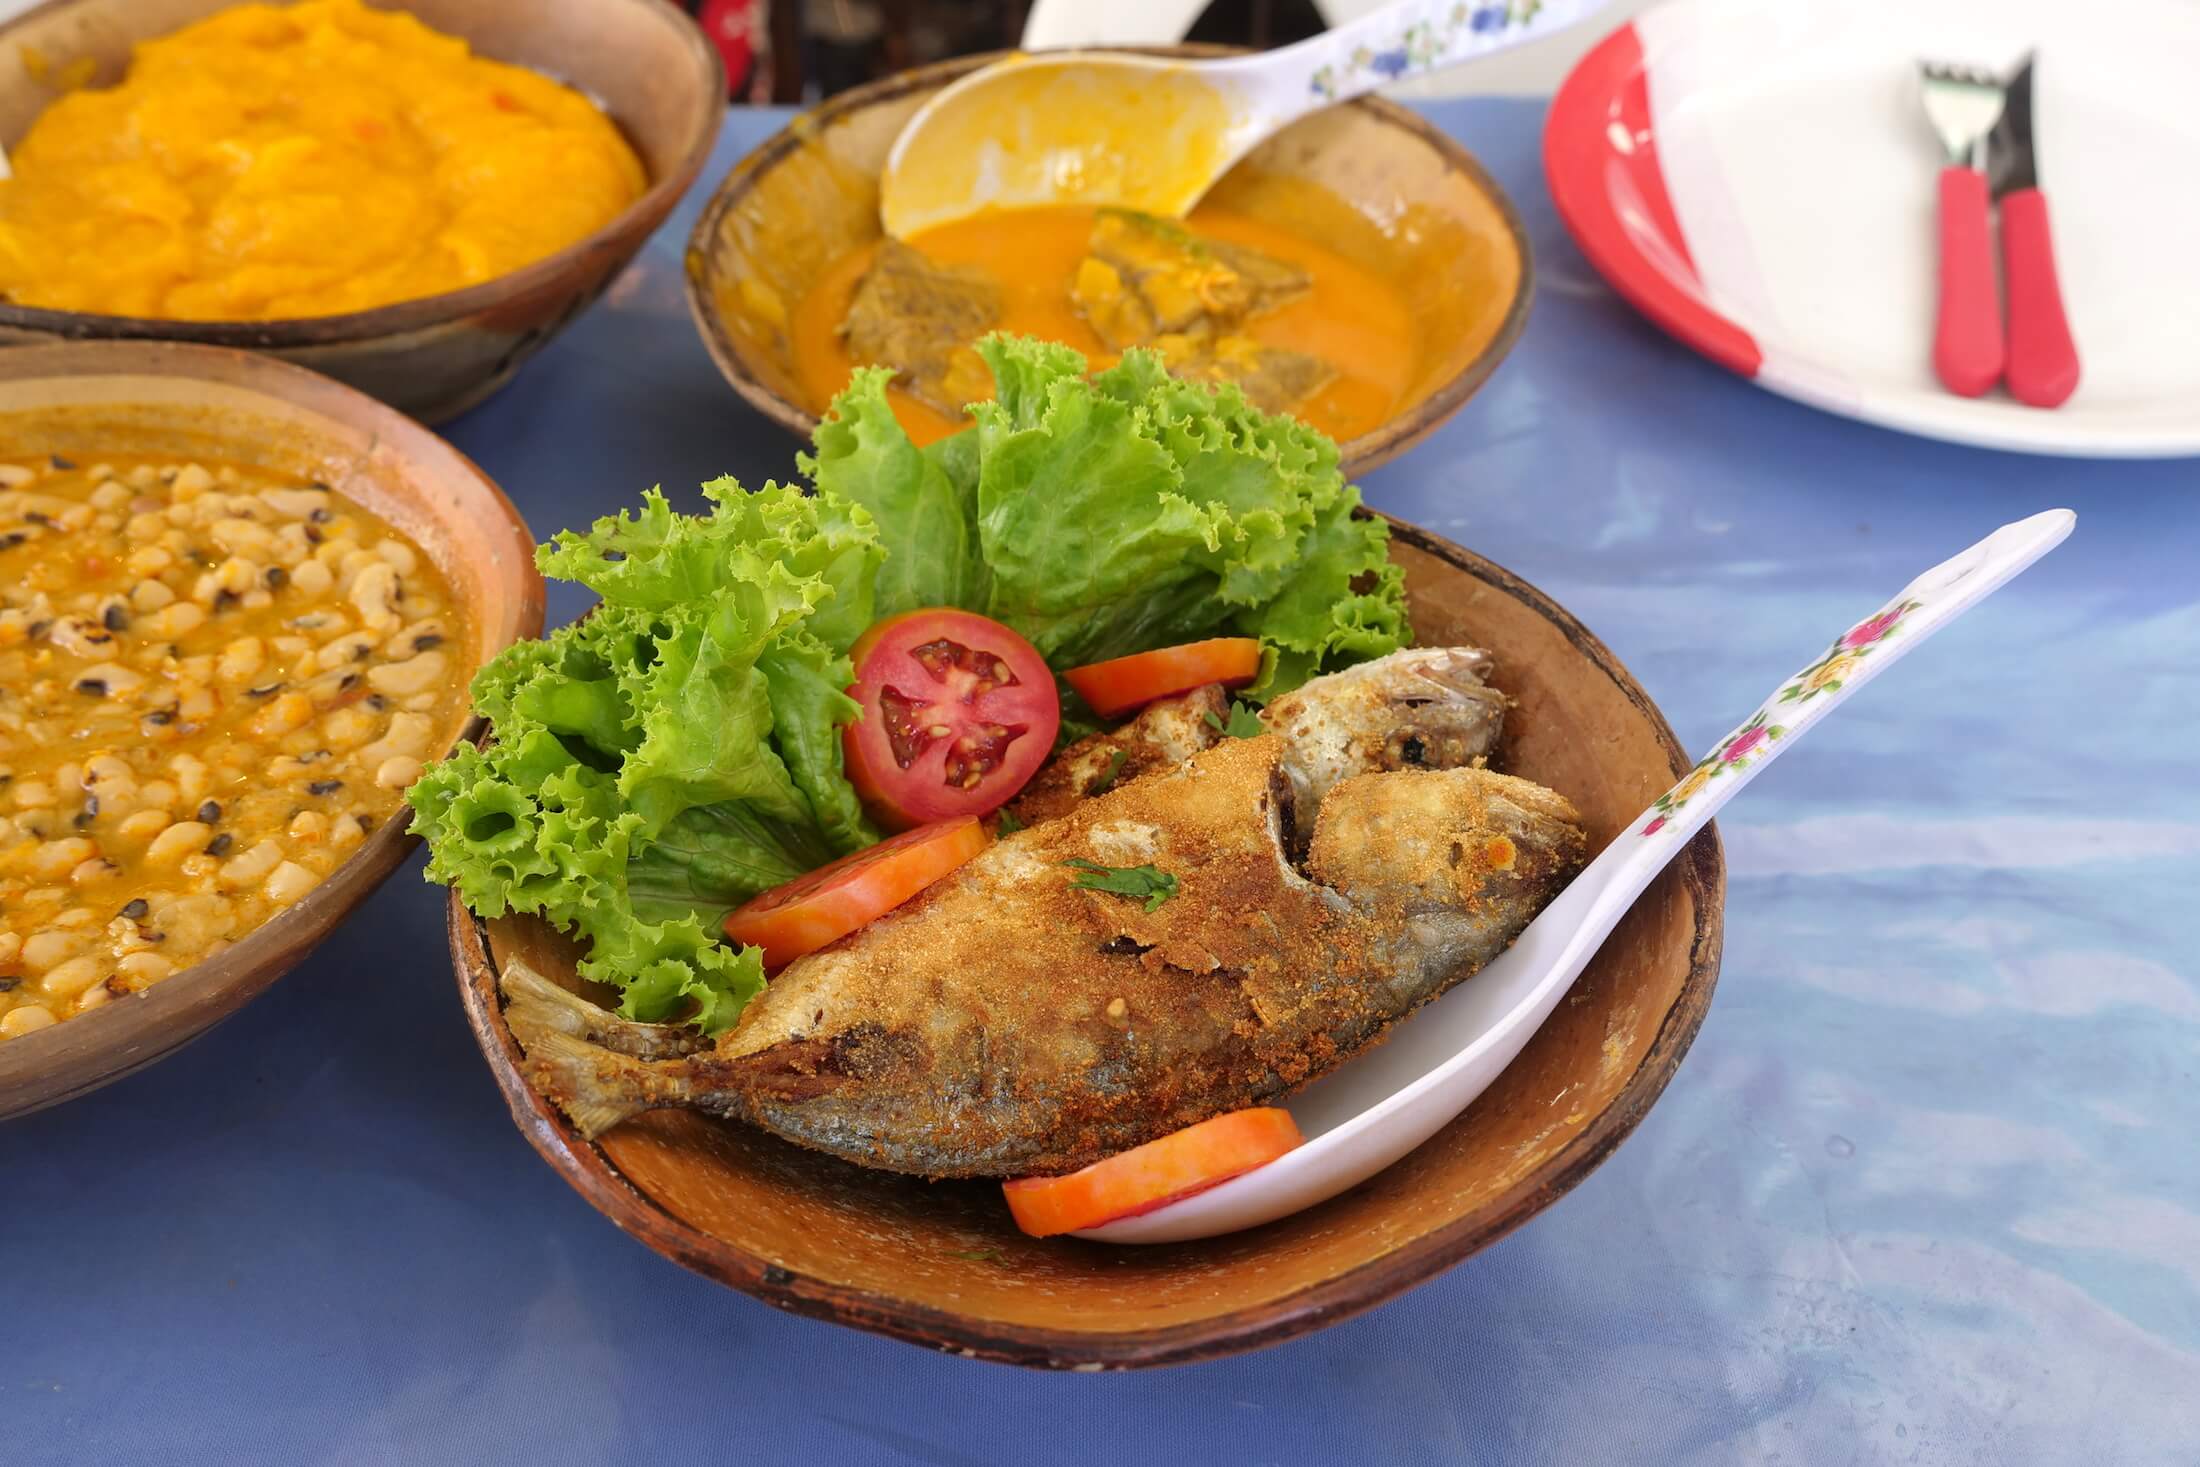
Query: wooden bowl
[
  {"x": 107, "y": 398},
  {"x": 1422, "y": 211},
  {"x": 941, "y": 1264},
  {"x": 644, "y": 61}
]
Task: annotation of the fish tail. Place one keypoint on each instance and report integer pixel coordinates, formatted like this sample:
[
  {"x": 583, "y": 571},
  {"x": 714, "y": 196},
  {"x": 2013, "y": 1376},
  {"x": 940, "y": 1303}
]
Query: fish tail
[
  {"x": 533, "y": 1005},
  {"x": 597, "y": 1088},
  {"x": 596, "y": 1067}
]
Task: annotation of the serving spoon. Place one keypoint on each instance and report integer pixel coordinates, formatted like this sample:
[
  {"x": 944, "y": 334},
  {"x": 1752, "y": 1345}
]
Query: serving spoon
[
  {"x": 1151, "y": 133},
  {"x": 1389, "y": 1100}
]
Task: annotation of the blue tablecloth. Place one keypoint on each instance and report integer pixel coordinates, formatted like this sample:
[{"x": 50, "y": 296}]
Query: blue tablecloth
[{"x": 1924, "y": 1191}]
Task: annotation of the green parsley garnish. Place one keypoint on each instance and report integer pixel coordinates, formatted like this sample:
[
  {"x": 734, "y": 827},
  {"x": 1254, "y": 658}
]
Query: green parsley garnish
[
  {"x": 1009, "y": 823},
  {"x": 976, "y": 1255},
  {"x": 1106, "y": 781},
  {"x": 1149, "y": 883},
  {"x": 1244, "y": 723}
]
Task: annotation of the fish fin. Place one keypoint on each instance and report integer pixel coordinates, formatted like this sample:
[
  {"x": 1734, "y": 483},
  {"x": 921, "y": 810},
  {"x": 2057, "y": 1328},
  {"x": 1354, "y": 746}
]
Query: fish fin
[
  {"x": 578, "y": 1078},
  {"x": 598, "y": 1088},
  {"x": 533, "y": 1005},
  {"x": 593, "y": 1065}
]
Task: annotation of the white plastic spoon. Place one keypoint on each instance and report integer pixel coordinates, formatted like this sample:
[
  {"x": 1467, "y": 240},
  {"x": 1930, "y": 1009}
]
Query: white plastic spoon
[
  {"x": 1145, "y": 132},
  {"x": 1392, "y": 1098}
]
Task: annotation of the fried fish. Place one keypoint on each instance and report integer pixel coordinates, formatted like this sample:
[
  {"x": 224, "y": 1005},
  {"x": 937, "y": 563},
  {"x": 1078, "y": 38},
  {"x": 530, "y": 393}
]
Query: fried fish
[{"x": 1328, "y": 876}]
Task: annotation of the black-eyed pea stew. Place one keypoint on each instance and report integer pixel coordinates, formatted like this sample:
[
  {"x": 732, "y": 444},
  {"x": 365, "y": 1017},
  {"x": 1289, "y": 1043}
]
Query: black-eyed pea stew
[{"x": 215, "y": 681}]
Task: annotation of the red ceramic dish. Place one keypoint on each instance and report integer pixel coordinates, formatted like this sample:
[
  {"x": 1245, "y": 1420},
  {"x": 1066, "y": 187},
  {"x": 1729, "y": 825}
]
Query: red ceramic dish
[
  {"x": 1759, "y": 179},
  {"x": 1601, "y": 156}
]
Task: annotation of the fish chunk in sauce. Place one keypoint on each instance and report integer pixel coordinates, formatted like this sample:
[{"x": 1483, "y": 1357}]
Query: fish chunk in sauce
[{"x": 1224, "y": 296}]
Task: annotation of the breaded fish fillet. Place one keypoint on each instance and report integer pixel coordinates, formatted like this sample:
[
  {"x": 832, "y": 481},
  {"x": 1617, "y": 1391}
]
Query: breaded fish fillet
[{"x": 1008, "y": 1023}]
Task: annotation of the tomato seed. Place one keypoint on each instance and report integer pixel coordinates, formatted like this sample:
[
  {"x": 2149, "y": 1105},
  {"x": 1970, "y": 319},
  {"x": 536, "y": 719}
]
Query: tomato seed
[
  {"x": 906, "y": 736},
  {"x": 971, "y": 673},
  {"x": 979, "y": 752}
]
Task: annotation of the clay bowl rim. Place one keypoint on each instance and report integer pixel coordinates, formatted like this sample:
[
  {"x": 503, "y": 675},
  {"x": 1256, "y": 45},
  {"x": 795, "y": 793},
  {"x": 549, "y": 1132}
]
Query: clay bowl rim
[
  {"x": 591, "y": 1173},
  {"x": 400, "y": 318},
  {"x": 1359, "y": 455},
  {"x": 170, "y": 1014}
]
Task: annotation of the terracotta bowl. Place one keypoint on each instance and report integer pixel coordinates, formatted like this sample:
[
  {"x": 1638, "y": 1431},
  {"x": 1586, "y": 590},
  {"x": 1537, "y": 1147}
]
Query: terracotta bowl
[
  {"x": 107, "y": 398},
  {"x": 941, "y": 1264},
  {"x": 1421, "y": 211},
  {"x": 643, "y": 60}
]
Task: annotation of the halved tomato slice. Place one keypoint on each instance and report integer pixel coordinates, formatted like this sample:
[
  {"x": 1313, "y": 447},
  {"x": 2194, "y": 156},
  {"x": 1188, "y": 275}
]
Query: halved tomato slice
[
  {"x": 806, "y": 913},
  {"x": 1124, "y": 683},
  {"x": 958, "y": 713},
  {"x": 1153, "y": 1175}
]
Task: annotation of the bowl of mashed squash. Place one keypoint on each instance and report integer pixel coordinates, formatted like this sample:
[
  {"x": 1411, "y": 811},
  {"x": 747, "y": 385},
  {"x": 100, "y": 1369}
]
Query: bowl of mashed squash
[
  {"x": 411, "y": 198},
  {"x": 1359, "y": 271}
]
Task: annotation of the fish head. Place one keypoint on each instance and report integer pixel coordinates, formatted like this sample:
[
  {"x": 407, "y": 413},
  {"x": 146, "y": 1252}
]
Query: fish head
[
  {"x": 1420, "y": 708},
  {"x": 1433, "y": 709}
]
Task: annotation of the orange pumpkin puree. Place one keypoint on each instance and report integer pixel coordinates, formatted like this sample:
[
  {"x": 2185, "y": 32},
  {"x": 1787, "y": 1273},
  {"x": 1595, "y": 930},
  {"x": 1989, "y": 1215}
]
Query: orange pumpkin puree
[
  {"x": 1351, "y": 318},
  {"x": 304, "y": 160}
]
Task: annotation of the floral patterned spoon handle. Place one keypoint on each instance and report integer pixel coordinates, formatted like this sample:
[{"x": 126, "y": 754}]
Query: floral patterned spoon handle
[
  {"x": 1392, "y": 1098},
  {"x": 1856, "y": 657},
  {"x": 1102, "y": 128}
]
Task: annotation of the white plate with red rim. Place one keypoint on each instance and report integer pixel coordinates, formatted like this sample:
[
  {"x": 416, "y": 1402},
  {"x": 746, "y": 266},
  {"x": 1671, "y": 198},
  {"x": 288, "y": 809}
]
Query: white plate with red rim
[{"x": 1758, "y": 178}]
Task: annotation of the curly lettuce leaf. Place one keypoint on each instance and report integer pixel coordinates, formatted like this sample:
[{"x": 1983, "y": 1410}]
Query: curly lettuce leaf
[
  {"x": 692, "y": 606},
  {"x": 563, "y": 686},
  {"x": 922, "y": 500},
  {"x": 712, "y": 859},
  {"x": 1344, "y": 602},
  {"x": 1263, "y": 480},
  {"x": 1120, "y": 512},
  {"x": 1092, "y": 546},
  {"x": 705, "y": 714},
  {"x": 806, "y": 683},
  {"x": 755, "y": 548},
  {"x": 675, "y": 752}
]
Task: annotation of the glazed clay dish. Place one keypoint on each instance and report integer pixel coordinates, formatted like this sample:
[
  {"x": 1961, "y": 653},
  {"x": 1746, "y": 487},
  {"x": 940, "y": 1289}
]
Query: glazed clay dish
[
  {"x": 643, "y": 61},
  {"x": 1368, "y": 181},
  {"x": 121, "y": 399},
  {"x": 942, "y": 1265}
]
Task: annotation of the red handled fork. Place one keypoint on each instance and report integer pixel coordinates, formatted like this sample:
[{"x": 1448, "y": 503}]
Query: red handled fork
[{"x": 1963, "y": 103}]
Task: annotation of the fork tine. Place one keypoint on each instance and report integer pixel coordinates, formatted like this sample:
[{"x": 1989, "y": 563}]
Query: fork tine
[
  {"x": 1968, "y": 75},
  {"x": 1961, "y": 101}
]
